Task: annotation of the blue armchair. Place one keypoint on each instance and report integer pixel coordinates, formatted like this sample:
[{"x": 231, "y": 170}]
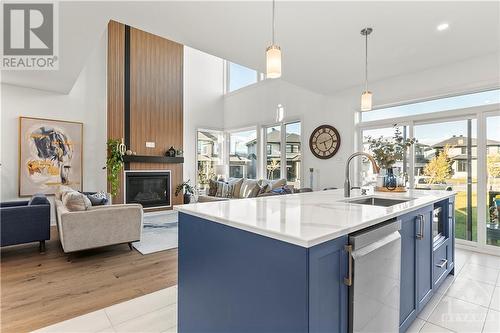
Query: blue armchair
[{"x": 25, "y": 221}]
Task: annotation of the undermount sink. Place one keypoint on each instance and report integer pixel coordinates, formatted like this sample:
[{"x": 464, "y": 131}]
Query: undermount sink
[{"x": 376, "y": 201}]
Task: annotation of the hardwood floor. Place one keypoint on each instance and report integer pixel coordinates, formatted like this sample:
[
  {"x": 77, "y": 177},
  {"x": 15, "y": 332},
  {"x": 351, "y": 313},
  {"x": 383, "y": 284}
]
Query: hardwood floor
[{"x": 42, "y": 289}]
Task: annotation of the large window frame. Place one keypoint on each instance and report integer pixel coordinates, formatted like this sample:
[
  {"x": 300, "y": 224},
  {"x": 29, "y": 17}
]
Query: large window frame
[
  {"x": 480, "y": 113},
  {"x": 257, "y": 150},
  {"x": 283, "y": 166}
]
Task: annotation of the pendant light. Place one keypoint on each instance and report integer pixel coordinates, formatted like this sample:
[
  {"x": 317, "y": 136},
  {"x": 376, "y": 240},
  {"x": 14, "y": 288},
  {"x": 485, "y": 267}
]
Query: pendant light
[
  {"x": 366, "y": 96},
  {"x": 273, "y": 55}
]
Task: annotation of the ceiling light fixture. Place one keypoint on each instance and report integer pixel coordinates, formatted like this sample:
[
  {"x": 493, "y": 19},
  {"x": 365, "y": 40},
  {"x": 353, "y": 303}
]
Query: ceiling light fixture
[
  {"x": 442, "y": 26},
  {"x": 366, "y": 96},
  {"x": 273, "y": 54}
]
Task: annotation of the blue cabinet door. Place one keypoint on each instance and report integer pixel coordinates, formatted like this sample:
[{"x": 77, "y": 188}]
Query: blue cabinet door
[
  {"x": 424, "y": 265},
  {"x": 408, "y": 303},
  {"x": 328, "y": 295}
]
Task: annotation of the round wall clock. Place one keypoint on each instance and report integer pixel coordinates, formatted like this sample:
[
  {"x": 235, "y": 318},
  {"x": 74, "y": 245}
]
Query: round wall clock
[{"x": 324, "y": 141}]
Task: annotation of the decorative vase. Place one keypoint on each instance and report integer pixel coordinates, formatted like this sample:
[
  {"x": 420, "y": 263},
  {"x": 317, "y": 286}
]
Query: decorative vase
[
  {"x": 187, "y": 198},
  {"x": 170, "y": 152},
  {"x": 391, "y": 181}
]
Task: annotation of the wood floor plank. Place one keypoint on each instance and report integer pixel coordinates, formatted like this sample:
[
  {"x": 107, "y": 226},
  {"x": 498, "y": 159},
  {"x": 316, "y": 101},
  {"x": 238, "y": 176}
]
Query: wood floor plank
[{"x": 42, "y": 289}]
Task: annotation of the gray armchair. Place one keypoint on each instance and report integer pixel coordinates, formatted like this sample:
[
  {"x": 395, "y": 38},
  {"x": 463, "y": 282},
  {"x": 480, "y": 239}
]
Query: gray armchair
[{"x": 25, "y": 221}]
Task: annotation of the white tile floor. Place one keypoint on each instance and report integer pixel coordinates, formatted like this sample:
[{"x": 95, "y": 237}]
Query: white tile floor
[{"x": 468, "y": 302}]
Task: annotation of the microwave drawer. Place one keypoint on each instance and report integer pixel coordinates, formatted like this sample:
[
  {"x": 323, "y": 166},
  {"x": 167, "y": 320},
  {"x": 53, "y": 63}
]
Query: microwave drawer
[{"x": 440, "y": 263}]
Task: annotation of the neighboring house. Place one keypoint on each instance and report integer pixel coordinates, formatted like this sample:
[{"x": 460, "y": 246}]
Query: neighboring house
[
  {"x": 208, "y": 156},
  {"x": 458, "y": 153},
  {"x": 273, "y": 155}
]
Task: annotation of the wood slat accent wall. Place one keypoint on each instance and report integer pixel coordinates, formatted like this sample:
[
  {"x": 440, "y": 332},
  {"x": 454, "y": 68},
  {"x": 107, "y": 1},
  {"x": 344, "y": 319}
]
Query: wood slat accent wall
[
  {"x": 156, "y": 99},
  {"x": 116, "y": 69}
]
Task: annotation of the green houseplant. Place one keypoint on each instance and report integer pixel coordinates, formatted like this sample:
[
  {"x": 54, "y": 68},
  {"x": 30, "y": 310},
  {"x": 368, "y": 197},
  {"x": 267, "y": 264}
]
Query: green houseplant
[
  {"x": 114, "y": 165},
  {"x": 188, "y": 190}
]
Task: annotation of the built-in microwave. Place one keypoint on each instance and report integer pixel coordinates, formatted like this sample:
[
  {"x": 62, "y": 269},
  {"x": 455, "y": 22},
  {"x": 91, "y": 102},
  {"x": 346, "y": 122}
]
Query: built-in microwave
[{"x": 437, "y": 224}]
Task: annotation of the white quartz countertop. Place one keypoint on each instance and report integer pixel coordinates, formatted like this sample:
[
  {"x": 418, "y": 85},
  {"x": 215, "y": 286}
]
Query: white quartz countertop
[{"x": 309, "y": 219}]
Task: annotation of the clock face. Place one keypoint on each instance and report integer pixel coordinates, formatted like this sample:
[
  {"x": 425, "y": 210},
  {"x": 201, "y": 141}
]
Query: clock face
[{"x": 324, "y": 141}]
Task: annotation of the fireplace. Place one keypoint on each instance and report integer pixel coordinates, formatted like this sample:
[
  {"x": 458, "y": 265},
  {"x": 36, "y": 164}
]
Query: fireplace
[{"x": 148, "y": 188}]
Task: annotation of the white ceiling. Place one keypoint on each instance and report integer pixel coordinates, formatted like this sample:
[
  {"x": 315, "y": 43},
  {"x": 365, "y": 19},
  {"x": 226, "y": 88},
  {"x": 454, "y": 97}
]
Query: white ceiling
[{"x": 322, "y": 48}]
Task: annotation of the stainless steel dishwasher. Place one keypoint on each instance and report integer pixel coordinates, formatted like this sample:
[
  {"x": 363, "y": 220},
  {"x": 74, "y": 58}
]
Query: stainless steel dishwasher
[{"x": 374, "y": 278}]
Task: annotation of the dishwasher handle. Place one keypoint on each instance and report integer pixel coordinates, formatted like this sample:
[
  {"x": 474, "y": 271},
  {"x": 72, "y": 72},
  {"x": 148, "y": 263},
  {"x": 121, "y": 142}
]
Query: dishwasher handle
[{"x": 348, "y": 278}]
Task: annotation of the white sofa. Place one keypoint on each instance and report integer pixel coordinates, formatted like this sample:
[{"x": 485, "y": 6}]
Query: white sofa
[{"x": 98, "y": 226}]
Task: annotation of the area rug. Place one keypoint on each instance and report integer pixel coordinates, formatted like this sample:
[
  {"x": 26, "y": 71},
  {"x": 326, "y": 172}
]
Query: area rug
[{"x": 159, "y": 232}]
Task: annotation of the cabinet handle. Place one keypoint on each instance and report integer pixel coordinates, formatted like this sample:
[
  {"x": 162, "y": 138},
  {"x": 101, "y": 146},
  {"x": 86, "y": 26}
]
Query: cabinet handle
[
  {"x": 348, "y": 279},
  {"x": 442, "y": 264},
  {"x": 420, "y": 234}
]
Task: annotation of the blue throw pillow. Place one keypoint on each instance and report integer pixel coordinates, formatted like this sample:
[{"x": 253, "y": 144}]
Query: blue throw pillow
[{"x": 38, "y": 199}]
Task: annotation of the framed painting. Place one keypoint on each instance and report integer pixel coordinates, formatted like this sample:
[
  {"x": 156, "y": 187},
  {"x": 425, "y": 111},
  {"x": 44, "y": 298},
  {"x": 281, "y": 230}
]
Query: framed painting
[{"x": 50, "y": 154}]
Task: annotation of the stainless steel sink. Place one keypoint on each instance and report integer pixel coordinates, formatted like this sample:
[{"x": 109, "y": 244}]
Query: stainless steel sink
[{"x": 377, "y": 201}]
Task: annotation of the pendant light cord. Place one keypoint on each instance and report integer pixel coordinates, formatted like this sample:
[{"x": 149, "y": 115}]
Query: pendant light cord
[
  {"x": 366, "y": 62},
  {"x": 274, "y": 25}
]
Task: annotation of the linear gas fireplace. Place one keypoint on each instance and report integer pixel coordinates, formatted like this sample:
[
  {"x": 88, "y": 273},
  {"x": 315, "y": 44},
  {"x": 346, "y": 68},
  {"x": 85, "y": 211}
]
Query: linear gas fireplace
[{"x": 148, "y": 188}]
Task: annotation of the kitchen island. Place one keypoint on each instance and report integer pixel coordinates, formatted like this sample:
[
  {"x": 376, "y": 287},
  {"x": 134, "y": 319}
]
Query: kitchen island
[{"x": 282, "y": 263}]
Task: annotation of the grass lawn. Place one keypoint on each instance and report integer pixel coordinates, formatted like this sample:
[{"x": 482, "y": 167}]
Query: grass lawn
[{"x": 461, "y": 215}]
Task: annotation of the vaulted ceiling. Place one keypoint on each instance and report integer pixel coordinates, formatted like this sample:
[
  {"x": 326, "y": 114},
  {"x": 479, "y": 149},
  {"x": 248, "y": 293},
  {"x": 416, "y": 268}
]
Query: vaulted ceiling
[{"x": 322, "y": 48}]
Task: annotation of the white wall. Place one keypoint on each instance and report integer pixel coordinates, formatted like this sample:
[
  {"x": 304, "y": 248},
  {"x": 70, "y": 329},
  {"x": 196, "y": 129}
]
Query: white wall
[
  {"x": 85, "y": 103},
  {"x": 256, "y": 104},
  {"x": 203, "y": 108}
]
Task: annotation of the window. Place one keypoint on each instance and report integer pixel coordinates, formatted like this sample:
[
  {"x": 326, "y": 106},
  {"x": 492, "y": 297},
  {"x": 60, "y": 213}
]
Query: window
[
  {"x": 436, "y": 105},
  {"x": 209, "y": 144},
  {"x": 287, "y": 165},
  {"x": 240, "y": 76},
  {"x": 273, "y": 158},
  {"x": 293, "y": 154},
  {"x": 400, "y": 168},
  {"x": 446, "y": 166},
  {"x": 493, "y": 180},
  {"x": 461, "y": 165},
  {"x": 243, "y": 154}
]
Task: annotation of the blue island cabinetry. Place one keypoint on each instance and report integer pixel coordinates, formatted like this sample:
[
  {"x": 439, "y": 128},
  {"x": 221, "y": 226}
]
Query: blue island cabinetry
[{"x": 232, "y": 280}]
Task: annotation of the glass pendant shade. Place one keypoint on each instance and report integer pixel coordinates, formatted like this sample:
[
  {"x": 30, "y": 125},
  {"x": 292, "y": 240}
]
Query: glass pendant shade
[
  {"x": 366, "y": 101},
  {"x": 273, "y": 62}
]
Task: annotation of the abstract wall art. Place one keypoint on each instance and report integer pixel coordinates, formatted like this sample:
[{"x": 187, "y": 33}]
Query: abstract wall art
[{"x": 50, "y": 154}]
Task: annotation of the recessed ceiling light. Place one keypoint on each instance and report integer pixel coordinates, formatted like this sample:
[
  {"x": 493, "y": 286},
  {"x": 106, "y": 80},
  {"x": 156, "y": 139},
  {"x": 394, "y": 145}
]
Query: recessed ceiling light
[{"x": 443, "y": 26}]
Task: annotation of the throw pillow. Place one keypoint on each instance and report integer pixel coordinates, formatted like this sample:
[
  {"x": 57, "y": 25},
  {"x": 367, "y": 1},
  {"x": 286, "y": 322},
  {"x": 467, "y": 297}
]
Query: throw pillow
[
  {"x": 249, "y": 188},
  {"x": 61, "y": 190},
  {"x": 97, "y": 198},
  {"x": 235, "y": 184},
  {"x": 76, "y": 201},
  {"x": 273, "y": 184},
  {"x": 212, "y": 187},
  {"x": 220, "y": 189},
  {"x": 38, "y": 199}
]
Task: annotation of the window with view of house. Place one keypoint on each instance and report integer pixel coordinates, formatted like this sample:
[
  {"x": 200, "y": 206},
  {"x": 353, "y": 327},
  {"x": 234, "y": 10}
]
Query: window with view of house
[
  {"x": 447, "y": 154},
  {"x": 243, "y": 154},
  {"x": 285, "y": 164},
  {"x": 209, "y": 148}
]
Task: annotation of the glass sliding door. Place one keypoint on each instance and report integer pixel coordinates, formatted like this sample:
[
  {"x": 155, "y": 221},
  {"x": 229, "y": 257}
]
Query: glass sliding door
[
  {"x": 243, "y": 154},
  {"x": 445, "y": 159},
  {"x": 493, "y": 180}
]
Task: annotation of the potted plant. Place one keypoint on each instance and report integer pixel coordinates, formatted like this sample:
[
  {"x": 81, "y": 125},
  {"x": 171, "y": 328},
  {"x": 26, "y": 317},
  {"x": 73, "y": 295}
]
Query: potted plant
[
  {"x": 114, "y": 165},
  {"x": 387, "y": 151},
  {"x": 188, "y": 190}
]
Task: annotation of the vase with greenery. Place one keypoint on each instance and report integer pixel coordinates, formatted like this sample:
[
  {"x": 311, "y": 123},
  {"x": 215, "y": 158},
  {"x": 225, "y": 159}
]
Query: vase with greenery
[
  {"x": 187, "y": 189},
  {"x": 114, "y": 165},
  {"x": 387, "y": 151}
]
